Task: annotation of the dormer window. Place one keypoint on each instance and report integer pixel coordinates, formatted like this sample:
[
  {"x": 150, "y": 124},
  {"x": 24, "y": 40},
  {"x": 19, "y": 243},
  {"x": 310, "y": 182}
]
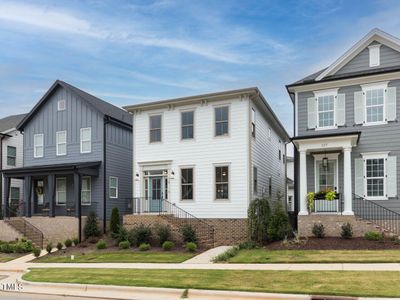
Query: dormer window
[
  {"x": 61, "y": 105},
  {"x": 374, "y": 55}
]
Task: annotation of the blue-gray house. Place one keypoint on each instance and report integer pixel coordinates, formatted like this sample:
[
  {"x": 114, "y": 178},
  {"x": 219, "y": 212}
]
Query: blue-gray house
[{"x": 77, "y": 158}]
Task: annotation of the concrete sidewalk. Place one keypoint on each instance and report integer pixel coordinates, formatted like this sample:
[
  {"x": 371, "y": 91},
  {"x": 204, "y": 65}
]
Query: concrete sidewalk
[{"x": 207, "y": 256}]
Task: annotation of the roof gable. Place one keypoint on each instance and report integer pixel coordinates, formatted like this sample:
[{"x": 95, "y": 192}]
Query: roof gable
[
  {"x": 375, "y": 35},
  {"x": 10, "y": 122}
]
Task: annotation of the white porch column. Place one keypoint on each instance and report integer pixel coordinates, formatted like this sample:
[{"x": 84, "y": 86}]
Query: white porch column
[
  {"x": 347, "y": 189},
  {"x": 303, "y": 183}
]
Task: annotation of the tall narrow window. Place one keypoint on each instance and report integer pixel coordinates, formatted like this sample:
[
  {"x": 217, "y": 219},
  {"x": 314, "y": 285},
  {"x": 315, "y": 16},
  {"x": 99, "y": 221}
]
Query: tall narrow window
[
  {"x": 255, "y": 180},
  {"x": 222, "y": 182},
  {"x": 187, "y": 118},
  {"x": 11, "y": 156},
  {"x": 86, "y": 191},
  {"x": 221, "y": 120},
  {"x": 61, "y": 142},
  {"x": 38, "y": 149},
  {"x": 61, "y": 191},
  {"x": 155, "y": 128},
  {"x": 113, "y": 187},
  {"x": 86, "y": 140},
  {"x": 375, "y": 171},
  {"x": 374, "y": 103},
  {"x": 253, "y": 122},
  {"x": 326, "y": 111},
  {"x": 187, "y": 183},
  {"x": 14, "y": 194}
]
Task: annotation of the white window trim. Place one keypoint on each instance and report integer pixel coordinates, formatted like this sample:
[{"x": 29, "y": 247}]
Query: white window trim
[
  {"x": 375, "y": 155},
  {"x": 116, "y": 187},
  {"x": 253, "y": 122},
  {"x": 319, "y": 157},
  {"x": 35, "y": 145},
  {"x": 194, "y": 115},
  {"x": 89, "y": 190},
  {"x": 193, "y": 184},
  {"x": 161, "y": 128},
  {"x": 89, "y": 140},
  {"x": 66, "y": 188},
  {"x": 374, "y": 86},
  {"x": 215, "y": 121},
  {"x": 215, "y": 181},
  {"x": 58, "y": 104},
  {"x": 322, "y": 93},
  {"x": 378, "y": 61},
  {"x": 58, "y": 143}
]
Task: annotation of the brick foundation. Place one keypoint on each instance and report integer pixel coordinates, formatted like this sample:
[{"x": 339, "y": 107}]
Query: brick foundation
[
  {"x": 333, "y": 224},
  {"x": 8, "y": 233}
]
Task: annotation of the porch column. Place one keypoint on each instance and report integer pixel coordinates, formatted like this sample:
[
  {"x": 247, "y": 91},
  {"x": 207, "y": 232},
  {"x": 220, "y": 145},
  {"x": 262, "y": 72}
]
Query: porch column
[
  {"x": 7, "y": 184},
  {"x": 303, "y": 183},
  {"x": 77, "y": 194},
  {"x": 28, "y": 196},
  {"x": 347, "y": 189},
  {"x": 51, "y": 179}
]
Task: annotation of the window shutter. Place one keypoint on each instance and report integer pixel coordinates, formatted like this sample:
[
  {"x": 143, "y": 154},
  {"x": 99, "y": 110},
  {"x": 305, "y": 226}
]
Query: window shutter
[
  {"x": 341, "y": 110},
  {"x": 359, "y": 177},
  {"x": 359, "y": 109},
  {"x": 391, "y": 104},
  {"x": 391, "y": 173},
  {"x": 312, "y": 112}
]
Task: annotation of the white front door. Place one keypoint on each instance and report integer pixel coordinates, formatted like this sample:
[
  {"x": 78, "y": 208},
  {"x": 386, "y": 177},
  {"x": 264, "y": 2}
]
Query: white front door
[{"x": 326, "y": 175}]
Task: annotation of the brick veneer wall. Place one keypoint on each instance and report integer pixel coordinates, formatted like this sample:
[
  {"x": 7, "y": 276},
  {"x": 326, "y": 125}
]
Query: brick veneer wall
[
  {"x": 333, "y": 224},
  {"x": 8, "y": 233}
]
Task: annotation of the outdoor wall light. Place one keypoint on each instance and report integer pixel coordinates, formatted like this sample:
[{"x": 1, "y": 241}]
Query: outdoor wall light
[{"x": 137, "y": 176}]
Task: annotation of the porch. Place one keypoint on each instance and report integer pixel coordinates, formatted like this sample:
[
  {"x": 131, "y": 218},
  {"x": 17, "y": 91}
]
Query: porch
[{"x": 325, "y": 164}]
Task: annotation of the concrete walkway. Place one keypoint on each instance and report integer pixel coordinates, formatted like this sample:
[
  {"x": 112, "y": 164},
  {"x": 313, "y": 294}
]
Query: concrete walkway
[{"x": 207, "y": 256}]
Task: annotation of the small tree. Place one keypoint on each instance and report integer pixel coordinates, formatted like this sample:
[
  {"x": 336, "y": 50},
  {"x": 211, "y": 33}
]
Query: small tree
[
  {"x": 278, "y": 225},
  {"x": 115, "y": 221},
  {"x": 91, "y": 228},
  {"x": 258, "y": 216}
]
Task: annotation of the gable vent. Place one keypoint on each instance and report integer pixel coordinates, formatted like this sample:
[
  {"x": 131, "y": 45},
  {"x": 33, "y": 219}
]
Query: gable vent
[
  {"x": 374, "y": 55},
  {"x": 61, "y": 105}
]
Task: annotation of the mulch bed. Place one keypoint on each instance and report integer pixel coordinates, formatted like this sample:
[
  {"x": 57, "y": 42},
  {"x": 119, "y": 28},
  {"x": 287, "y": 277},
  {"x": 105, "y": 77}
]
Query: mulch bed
[{"x": 332, "y": 243}]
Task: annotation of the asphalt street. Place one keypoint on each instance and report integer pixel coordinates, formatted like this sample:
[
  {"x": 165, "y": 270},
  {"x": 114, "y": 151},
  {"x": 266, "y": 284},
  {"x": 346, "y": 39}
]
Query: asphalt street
[{"x": 26, "y": 296}]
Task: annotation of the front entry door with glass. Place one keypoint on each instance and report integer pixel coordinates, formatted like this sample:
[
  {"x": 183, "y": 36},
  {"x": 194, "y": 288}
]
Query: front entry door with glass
[
  {"x": 38, "y": 196},
  {"x": 156, "y": 189},
  {"x": 326, "y": 180}
]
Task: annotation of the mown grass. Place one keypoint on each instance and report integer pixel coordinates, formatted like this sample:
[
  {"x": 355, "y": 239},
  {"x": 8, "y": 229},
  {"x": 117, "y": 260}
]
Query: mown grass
[
  {"x": 5, "y": 257},
  {"x": 349, "y": 283}
]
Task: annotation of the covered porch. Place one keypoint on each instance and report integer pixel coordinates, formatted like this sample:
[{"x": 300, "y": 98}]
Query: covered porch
[
  {"x": 325, "y": 164},
  {"x": 53, "y": 190}
]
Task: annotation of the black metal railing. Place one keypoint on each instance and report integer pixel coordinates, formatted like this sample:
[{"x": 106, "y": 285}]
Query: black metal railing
[
  {"x": 377, "y": 214},
  {"x": 329, "y": 206},
  {"x": 175, "y": 215},
  {"x": 14, "y": 209}
]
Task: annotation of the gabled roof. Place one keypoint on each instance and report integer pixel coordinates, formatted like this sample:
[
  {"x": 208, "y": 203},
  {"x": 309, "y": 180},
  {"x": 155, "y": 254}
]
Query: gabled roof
[
  {"x": 98, "y": 104},
  {"x": 10, "y": 122},
  {"x": 329, "y": 73}
]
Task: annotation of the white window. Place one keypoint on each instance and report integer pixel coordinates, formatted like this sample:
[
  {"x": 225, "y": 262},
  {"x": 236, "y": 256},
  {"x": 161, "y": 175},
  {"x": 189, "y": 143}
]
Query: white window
[
  {"x": 187, "y": 183},
  {"x": 61, "y": 142},
  {"x": 221, "y": 121},
  {"x": 326, "y": 111},
  {"x": 375, "y": 176},
  {"x": 61, "y": 105},
  {"x": 86, "y": 140},
  {"x": 222, "y": 182},
  {"x": 61, "y": 191},
  {"x": 38, "y": 148},
  {"x": 113, "y": 187},
  {"x": 253, "y": 122},
  {"x": 375, "y": 105},
  {"x": 86, "y": 190},
  {"x": 155, "y": 128},
  {"x": 374, "y": 55},
  {"x": 187, "y": 119}
]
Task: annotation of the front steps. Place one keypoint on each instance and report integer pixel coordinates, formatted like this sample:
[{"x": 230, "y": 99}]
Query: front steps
[{"x": 27, "y": 230}]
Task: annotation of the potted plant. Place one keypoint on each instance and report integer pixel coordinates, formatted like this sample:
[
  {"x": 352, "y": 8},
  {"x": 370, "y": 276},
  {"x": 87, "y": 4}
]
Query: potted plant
[{"x": 310, "y": 201}]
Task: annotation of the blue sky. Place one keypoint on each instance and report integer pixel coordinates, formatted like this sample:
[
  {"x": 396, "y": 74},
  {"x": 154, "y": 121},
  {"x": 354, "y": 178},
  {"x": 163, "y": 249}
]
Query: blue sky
[{"x": 129, "y": 52}]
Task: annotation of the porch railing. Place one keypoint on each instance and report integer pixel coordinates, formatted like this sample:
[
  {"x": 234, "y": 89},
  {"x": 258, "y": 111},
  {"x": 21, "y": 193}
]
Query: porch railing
[{"x": 329, "y": 206}]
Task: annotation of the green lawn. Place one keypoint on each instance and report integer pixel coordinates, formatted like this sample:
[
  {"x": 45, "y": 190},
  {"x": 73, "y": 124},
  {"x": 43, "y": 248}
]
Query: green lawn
[
  {"x": 119, "y": 257},
  {"x": 367, "y": 284},
  {"x": 5, "y": 257},
  {"x": 316, "y": 256}
]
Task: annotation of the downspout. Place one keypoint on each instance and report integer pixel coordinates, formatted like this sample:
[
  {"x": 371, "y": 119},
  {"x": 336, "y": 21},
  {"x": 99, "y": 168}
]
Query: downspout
[
  {"x": 1, "y": 174},
  {"x": 106, "y": 121}
]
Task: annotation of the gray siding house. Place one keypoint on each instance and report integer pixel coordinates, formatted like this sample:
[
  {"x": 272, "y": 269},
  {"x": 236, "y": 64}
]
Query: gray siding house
[
  {"x": 347, "y": 137},
  {"x": 77, "y": 157}
]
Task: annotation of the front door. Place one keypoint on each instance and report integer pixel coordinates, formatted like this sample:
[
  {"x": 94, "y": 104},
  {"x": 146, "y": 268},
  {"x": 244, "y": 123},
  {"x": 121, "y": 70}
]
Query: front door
[
  {"x": 38, "y": 197},
  {"x": 156, "y": 188},
  {"x": 326, "y": 181}
]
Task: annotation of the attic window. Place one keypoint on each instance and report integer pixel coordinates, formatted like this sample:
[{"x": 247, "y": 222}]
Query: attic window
[
  {"x": 61, "y": 105},
  {"x": 374, "y": 55}
]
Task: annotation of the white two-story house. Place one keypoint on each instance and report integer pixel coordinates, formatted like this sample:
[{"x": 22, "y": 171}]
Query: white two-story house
[
  {"x": 210, "y": 155},
  {"x": 347, "y": 138}
]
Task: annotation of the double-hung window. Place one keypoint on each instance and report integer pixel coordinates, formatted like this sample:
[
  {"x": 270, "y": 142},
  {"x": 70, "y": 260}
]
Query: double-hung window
[
  {"x": 155, "y": 128},
  {"x": 221, "y": 121},
  {"x": 11, "y": 156},
  {"x": 113, "y": 187},
  {"x": 61, "y": 142},
  {"x": 375, "y": 105},
  {"x": 326, "y": 111},
  {"x": 86, "y": 140},
  {"x": 86, "y": 190},
  {"x": 187, "y": 119},
  {"x": 15, "y": 194},
  {"x": 187, "y": 183},
  {"x": 61, "y": 191},
  {"x": 38, "y": 145},
  {"x": 222, "y": 182},
  {"x": 375, "y": 177}
]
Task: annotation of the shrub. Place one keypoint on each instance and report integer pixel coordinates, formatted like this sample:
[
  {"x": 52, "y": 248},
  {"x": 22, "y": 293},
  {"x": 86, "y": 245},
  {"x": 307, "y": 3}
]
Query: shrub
[
  {"x": 49, "y": 247},
  {"x": 121, "y": 235},
  {"x": 168, "y": 245},
  {"x": 248, "y": 245},
  {"x": 7, "y": 248},
  {"x": 68, "y": 243},
  {"x": 115, "y": 221},
  {"x": 91, "y": 228},
  {"x": 76, "y": 241},
  {"x": 144, "y": 246},
  {"x": 140, "y": 235},
  {"x": 23, "y": 247},
  {"x": 163, "y": 233},
  {"x": 36, "y": 252},
  {"x": 347, "y": 231},
  {"x": 188, "y": 234},
  {"x": 59, "y": 246},
  {"x": 318, "y": 230},
  {"x": 124, "y": 245},
  {"x": 101, "y": 245},
  {"x": 231, "y": 252},
  {"x": 278, "y": 225},
  {"x": 258, "y": 215},
  {"x": 191, "y": 247},
  {"x": 373, "y": 236}
]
